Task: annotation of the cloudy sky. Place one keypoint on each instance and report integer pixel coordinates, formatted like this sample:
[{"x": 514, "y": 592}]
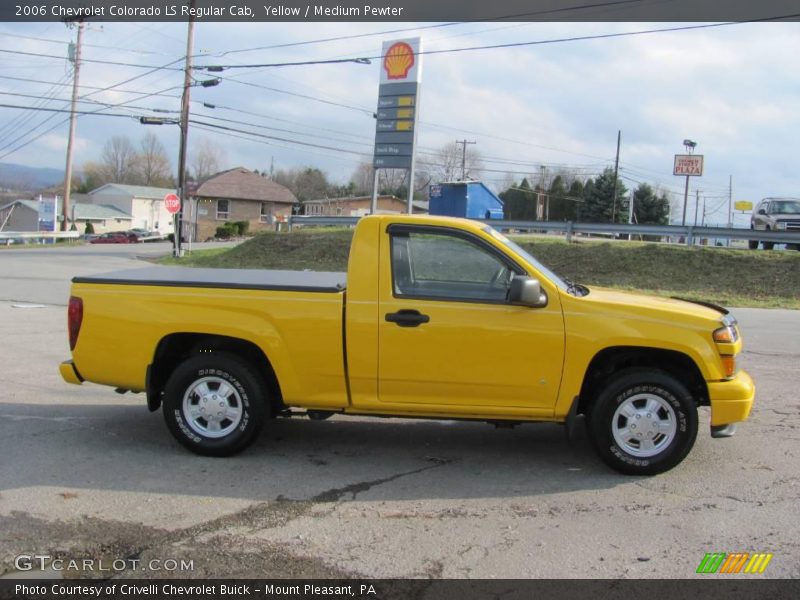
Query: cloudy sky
[{"x": 735, "y": 90}]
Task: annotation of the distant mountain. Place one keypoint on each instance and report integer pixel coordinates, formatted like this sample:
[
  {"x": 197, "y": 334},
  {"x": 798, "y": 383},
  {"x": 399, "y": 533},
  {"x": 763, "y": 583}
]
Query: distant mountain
[{"x": 21, "y": 177}]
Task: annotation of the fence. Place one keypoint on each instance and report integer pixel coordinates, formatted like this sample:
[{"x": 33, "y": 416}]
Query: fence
[
  {"x": 9, "y": 237},
  {"x": 689, "y": 233}
]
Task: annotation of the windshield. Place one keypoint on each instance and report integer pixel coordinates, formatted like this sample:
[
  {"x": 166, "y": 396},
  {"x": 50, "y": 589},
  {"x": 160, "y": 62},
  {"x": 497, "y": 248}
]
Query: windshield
[
  {"x": 530, "y": 259},
  {"x": 787, "y": 207}
]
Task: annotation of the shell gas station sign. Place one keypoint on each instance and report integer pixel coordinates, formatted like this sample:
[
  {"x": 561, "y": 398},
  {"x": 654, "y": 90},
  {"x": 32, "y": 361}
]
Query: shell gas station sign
[{"x": 398, "y": 94}]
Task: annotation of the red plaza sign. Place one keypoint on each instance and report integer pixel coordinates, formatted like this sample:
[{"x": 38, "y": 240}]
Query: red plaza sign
[{"x": 172, "y": 203}]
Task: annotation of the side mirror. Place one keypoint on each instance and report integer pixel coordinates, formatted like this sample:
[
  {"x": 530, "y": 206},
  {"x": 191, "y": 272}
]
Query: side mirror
[
  {"x": 762, "y": 211},
  {"x": 526, "y": 291}
]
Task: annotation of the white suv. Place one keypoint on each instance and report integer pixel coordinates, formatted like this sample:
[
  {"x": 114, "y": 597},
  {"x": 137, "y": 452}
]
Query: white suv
[{"x": 775, "y": 214}]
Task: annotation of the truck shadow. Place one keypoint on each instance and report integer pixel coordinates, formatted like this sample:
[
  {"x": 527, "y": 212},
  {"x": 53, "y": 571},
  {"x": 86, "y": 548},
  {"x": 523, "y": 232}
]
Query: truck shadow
[{"x": 124, "y": 447}]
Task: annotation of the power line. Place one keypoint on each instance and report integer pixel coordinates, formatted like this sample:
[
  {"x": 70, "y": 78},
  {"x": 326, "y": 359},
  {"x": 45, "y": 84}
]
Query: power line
[
  {"x": 425, "y": 27},
  {"x": 65, "y": 110},
  {"x": 508, "y": 45},
  {"x": 82, "y": 86},
  {"x": 96, "y": 61}
]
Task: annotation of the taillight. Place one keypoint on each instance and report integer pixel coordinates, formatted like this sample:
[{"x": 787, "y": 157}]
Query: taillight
[{"x": 74, "y": 319}]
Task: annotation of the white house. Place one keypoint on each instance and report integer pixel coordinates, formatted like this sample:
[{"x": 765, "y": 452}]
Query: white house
[{"x": 145, "y": 204}]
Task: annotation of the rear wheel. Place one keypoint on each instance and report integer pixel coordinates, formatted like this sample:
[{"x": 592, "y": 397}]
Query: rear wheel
[
  {"x": 215, "y": 404},
  {"x": 752, "y": 244},
  {"x": 643, "y": 422}
]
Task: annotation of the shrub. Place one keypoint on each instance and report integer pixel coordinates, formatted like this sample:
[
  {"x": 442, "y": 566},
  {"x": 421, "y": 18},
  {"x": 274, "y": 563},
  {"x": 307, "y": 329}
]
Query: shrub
[
  {"x": 89, "y": 228},
  {"x": 226, "y": 231},
  {"x": 242, "y": 226}
]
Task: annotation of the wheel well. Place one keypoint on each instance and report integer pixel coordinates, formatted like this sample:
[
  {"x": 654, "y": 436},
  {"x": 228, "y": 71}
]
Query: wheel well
[
  {"x": 612, "y": 360},
  {"x": 177, "y": 347}
]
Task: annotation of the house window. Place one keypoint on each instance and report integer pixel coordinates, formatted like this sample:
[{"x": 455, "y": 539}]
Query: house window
[
  {"x": 266, "y": 212},
  {"x": 223, "y": 210}
]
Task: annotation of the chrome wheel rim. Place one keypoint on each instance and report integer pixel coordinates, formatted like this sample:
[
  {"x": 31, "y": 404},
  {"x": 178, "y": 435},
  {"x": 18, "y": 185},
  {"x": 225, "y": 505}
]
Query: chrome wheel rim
[
  {"x": 212, "y": 407},
  {"x": 644, "y": 425}
]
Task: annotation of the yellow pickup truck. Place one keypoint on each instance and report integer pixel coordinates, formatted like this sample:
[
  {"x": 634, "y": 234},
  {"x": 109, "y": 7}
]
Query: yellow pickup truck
[{"x": 435, "y": 318}]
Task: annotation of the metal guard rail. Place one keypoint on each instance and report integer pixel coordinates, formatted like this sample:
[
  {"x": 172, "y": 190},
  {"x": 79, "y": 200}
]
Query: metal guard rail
[{"x": 688, "y": 232}]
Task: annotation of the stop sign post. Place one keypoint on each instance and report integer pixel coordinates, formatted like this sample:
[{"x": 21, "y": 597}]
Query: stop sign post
[{"x": 172, "y": 203}]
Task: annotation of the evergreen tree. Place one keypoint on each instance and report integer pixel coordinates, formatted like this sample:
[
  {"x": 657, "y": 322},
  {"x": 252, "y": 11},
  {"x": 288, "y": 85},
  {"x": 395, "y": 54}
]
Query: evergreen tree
[{"x": 598, "y": 199}]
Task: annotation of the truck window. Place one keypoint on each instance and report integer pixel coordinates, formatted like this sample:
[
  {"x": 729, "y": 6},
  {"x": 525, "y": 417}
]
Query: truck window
[{"x": 443, "y": 266}]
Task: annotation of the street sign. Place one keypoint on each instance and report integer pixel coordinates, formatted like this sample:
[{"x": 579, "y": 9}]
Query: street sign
[
  {"x": 398, "y": 95},
  {"x": 688, "y": 164},
  {"x": 743, "y": 205},
  {"x": 172, "y": 203}
]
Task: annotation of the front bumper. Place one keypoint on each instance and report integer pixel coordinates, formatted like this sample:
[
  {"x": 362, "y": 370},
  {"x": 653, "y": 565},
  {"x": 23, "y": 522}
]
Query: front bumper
[
  {"x": 731, "y": 400},
  {"x": 69, "y": 373}
]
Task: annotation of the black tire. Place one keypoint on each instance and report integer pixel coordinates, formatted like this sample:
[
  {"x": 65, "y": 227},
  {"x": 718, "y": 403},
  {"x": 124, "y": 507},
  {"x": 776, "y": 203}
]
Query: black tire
[
  {"x": 768, "y": 245},
  {"x": 752, "y": 244},
  {"x": 229, "y": 402},
  {"x": 671, "y": 428}
]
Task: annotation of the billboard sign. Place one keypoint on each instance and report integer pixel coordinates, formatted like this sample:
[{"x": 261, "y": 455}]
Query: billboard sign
[
  {"x": 743, "y": 205},
  {"x": 395, "y": 131},
  {"x": 47, "y": 213},
  {"x": 688, "y": 164}
]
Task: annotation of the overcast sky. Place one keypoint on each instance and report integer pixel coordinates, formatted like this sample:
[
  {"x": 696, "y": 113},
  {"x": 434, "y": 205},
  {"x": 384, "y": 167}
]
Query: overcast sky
[{"x": 735, "y": 90}]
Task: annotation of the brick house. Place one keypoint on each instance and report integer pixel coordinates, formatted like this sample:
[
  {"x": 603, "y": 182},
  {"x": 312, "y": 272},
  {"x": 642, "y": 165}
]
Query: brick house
[
  {"x": 358, "y": 206},
  {"x": 238, "y": 195}
]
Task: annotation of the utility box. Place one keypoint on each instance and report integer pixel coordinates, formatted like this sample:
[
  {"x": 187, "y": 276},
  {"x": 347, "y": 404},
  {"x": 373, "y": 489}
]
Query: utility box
[{"x": 468, "y": 199}]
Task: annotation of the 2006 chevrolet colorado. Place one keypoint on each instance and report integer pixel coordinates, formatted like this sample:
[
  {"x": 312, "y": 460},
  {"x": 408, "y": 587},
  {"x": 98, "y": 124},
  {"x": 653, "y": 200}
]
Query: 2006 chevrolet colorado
[{"x": 436, "y": 317}]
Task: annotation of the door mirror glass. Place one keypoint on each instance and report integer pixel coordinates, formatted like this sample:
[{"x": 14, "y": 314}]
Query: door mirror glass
[{"x": 526, "y": 291}]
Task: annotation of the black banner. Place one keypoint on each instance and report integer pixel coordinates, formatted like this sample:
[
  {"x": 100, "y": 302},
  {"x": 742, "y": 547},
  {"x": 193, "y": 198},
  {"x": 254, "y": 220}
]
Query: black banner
[
  {"x": 249, "y": 11},
  {"x": 735, "y": 587}
]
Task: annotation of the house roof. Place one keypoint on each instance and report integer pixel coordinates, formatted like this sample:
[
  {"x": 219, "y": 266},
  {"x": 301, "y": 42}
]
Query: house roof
[
  {"x": 242, "y": 184},
  {"x": 87, "y": 212},
  {"x": 137, "y": 191}
]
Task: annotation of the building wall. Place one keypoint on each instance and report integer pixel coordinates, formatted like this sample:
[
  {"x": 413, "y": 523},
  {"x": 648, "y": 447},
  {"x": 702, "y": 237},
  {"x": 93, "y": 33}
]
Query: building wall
[
  {"x": 354, "y": 207},
  {"x": 22, "y": 219},
  {"x": 239, "y": 210},
  {"x": 147, "y": 213}
]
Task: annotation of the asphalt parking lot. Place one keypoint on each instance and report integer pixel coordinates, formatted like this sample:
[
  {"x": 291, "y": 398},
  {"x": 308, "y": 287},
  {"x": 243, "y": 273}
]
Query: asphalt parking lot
[{"x": 90, "y": 474}]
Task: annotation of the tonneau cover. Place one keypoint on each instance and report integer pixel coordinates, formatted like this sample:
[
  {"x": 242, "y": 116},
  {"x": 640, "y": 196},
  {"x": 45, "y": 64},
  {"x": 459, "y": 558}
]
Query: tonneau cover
[{"x": 247, "y": 279}]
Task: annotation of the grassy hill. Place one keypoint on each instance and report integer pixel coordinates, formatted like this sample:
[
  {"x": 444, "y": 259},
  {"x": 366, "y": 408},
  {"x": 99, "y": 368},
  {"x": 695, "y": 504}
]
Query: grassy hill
[{"x": 729, "y": 277}]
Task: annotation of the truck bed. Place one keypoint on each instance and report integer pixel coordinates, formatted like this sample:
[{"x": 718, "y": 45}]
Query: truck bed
[{"x": 247, "y": 279}]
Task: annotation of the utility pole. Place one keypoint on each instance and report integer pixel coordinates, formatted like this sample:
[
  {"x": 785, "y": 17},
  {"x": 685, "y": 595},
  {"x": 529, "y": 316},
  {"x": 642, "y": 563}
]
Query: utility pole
[
  {"x": 543, "y": 194},
  {"x": 696, "y": 205},
  {"x": 464, "y": 157},
  {"x": 616, "y": 173},
  {"x": 184, "y": 124},
  {"x": 730, "y": 205},
  {"x": 68, "y": 169}
]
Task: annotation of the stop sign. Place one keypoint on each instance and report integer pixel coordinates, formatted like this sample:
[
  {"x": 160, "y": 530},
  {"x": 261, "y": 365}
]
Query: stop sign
[{"x": 172, "y": 203}]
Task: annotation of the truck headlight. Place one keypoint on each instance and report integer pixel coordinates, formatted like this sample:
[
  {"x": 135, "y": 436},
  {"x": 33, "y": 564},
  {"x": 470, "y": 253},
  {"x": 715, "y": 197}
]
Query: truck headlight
[
  {"x": 726, "y": 335},
  {"x": 780, "y": 225}
]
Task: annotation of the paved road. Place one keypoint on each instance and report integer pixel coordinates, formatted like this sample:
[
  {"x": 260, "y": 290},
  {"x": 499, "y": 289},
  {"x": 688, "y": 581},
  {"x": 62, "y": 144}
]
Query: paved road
[{"x": 87, "y": 473}]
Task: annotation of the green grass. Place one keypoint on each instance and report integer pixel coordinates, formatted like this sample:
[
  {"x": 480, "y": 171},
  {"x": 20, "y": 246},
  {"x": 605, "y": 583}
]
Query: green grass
[{"x": 725, "y": 276}]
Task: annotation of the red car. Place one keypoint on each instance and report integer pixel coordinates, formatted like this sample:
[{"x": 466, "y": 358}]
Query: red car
[{"x": 116, "y": 237}]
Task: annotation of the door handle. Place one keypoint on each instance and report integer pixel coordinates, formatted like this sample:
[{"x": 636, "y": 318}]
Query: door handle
[{"x": 407, "y": 318}]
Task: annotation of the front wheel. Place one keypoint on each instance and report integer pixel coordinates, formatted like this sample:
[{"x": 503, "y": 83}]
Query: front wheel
[
  {"x": 643, "y": 422},
  {"x": 214, "y": 404}
]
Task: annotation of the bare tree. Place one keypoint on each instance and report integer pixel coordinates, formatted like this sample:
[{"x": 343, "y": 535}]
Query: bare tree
[
  {"x": 206, "y": 160},
  {"x": 445, "y": 164},
  {"x": 118, "y": 160},
  {"x": 362, "y": 178},
  {"x": 153, "y": 163}
]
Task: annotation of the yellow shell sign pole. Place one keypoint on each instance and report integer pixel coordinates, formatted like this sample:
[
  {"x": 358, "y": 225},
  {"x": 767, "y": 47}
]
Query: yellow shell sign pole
[{"x": 396, "y": 116}]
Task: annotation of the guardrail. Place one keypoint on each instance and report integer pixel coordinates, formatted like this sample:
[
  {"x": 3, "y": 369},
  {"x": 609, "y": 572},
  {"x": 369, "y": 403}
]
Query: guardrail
[
  {"x": 11, "y": 236},
  {"x": 688, "y": 233}
]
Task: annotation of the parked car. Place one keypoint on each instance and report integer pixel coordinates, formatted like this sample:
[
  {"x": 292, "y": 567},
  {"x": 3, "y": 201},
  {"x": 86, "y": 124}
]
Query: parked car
[
  {"x": 775, "y": 214},
  {"x": 116, "y": 237}
]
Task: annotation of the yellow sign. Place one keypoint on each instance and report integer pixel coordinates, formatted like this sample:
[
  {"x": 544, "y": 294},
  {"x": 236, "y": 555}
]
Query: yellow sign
[
  {"x": 405, "y": 113},
  {"x": 405, "y": 101},
  {"x": 405, "y": 125},
  {"x": 743, "y": 205}
]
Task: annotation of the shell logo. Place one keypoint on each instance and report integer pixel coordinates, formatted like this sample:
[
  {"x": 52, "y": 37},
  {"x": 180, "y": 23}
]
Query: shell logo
[{"x": 398, "y": 60}]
